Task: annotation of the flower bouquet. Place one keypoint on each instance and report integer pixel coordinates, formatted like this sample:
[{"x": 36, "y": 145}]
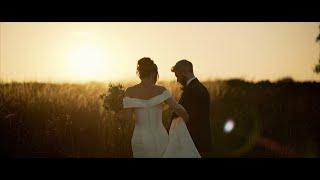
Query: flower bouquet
[{"x": 112, "y": 99}]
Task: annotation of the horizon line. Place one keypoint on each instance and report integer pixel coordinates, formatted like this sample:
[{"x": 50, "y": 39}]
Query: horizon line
[{"x": 159, "y": 81}]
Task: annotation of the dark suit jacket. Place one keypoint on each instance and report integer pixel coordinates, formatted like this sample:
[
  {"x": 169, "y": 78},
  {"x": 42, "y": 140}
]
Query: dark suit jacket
[{"x": 196, "y": 100}]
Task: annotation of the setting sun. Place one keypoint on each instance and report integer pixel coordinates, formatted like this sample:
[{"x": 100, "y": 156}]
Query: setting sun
[
  {"x": 109, "y": 51},
  {"x": 87, "y": 61}
]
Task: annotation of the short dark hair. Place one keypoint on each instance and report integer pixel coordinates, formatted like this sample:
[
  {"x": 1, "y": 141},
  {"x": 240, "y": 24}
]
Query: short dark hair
[{"x": 182, "y": 64}]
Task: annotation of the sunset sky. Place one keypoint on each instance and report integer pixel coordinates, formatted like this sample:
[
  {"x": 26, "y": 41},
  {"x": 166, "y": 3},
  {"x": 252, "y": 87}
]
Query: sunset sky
[{"x": 110, "y": 51}]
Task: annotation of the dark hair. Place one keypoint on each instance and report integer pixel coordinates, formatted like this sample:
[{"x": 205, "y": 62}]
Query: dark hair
[
  {"x": 146, "y": 67},
  {"x": 182, "y": 64}
]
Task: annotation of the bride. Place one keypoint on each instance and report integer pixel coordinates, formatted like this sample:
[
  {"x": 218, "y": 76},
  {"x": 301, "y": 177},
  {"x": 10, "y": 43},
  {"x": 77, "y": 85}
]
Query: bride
[{"x": 145, "y": 102}]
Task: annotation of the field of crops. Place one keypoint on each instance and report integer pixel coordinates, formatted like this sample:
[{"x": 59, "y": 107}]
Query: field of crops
[{"x": 68, "y": 120}]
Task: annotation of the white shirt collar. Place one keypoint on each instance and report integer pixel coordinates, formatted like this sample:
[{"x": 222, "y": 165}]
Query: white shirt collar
[{"x": 189, "y": 81}]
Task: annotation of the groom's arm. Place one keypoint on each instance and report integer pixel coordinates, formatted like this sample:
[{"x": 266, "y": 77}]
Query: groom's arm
[
  {"x": 200, "y": 103},
  {"x": 201, "y": 106},
  {"x": 203, "y": 111},
  {"x": 204, "y": 98}
]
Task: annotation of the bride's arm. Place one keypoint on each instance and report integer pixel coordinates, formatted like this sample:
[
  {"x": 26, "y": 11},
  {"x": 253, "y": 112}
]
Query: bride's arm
[
  {"x": 126, "y": 113},
  {"x": 178, "y": 109}
]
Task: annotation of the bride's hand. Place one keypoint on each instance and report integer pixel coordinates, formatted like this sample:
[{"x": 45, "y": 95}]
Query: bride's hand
[
  {"x": 185, "y": 117},
  {"x": 178, "y": 109}
]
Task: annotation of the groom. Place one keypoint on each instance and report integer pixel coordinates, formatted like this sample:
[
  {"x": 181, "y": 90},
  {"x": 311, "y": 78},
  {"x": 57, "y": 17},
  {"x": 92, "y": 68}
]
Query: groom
[{"x": 196, "y": 100}]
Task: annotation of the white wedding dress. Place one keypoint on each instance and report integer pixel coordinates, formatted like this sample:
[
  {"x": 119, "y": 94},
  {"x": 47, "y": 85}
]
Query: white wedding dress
[{"x": 150, "y": 139}]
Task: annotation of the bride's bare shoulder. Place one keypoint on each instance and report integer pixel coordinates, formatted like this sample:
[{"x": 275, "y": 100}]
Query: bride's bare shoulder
[
  {"x": 132, "y": 91},
  {"x": 129, "y": 91}
]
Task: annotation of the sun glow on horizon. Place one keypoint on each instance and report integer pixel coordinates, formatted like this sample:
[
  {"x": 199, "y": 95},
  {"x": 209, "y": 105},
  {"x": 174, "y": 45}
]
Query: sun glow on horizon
[
  {"x": 82, "y": 52},
  {"x": 88, "y": 61}
]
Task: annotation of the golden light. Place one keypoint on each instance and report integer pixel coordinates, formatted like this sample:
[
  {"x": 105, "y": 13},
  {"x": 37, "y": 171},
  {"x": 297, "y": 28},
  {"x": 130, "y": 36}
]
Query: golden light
[{"x": 88, "y": 62}]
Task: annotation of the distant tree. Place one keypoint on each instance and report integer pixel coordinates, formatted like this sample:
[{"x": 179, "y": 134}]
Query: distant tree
[
  {"x": 236, "y": 81},
  {"x": 317, "y": 67},
  {"x": 264, "y": 82},
  {"x": 285, "y": 80}
]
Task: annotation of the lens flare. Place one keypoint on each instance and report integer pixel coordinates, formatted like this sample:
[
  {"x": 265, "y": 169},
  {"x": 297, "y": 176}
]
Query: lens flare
[{"x": 229, "y": 125}]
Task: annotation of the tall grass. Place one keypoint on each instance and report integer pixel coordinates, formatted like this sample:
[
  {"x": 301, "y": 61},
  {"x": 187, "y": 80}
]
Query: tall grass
[{"x": 67, "y": 120}]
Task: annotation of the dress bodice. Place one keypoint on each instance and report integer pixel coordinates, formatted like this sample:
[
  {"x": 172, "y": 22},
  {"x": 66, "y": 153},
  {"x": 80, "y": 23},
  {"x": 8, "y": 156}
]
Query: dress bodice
[
  {"x": 150, "y": 138},
  {"x": 148, "y": 112}
]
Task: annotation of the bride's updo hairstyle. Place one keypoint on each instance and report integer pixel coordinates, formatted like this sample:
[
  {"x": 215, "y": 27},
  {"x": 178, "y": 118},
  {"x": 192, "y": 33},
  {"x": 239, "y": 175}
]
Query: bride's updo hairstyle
[{"x": 147, "y": 67}]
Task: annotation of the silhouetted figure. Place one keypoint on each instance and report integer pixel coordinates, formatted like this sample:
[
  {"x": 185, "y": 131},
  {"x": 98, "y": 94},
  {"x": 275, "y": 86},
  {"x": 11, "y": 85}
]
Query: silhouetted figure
[{"x": 196, "y": 100}]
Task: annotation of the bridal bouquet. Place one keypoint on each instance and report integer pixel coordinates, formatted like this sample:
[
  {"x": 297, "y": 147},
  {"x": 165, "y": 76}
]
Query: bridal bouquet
[
  {"x": 112, "y": 99},
  {"x": 112, "y": 104}
]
